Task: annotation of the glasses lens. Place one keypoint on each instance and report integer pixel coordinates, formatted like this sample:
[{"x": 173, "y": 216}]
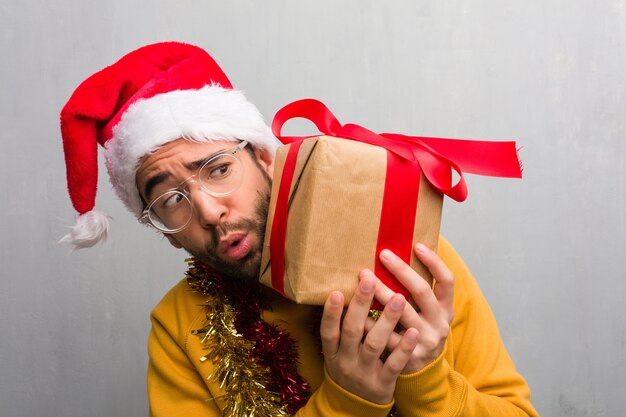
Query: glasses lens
[
  {"x": 221, "y": 175},
  {"x": 170, "y": 212}
]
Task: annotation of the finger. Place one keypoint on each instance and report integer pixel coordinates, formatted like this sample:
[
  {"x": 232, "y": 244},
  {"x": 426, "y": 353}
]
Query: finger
[
  {"x": 356, "y": 314},
  {"x": 394, "y": 337},
  {"x": 409, "y": 318},
  {"x": 418, "y": 287},
  {"x": 444, "y": 279},
  {"x": 400, "y": 356},
  {"x": 377, "y": 338},
  {"x": 330, "y": 324}
]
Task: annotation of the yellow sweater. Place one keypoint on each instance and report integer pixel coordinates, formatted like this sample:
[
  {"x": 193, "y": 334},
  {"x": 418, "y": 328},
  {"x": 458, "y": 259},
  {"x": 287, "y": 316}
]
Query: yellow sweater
[{"x": 473, "y": 377}]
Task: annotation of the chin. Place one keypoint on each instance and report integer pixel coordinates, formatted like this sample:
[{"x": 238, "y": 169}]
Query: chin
[{"x": 245, "y": 270}]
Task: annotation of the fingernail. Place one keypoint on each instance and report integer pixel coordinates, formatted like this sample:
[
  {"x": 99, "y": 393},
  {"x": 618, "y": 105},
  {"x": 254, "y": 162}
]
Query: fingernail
[
  {"x": 411, "y": 335},
  {"x": 335, "y": 299},
  {"x": 367, "y": 285},
  {"x": 387, "y": 255},
  {"x": 397, "y": 303},
  {"x": 421, "y": 248}
]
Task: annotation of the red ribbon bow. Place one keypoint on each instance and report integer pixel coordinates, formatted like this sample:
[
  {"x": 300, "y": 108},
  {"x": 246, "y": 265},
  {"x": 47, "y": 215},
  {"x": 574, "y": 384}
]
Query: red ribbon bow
[{"x": 407, "y": 157}]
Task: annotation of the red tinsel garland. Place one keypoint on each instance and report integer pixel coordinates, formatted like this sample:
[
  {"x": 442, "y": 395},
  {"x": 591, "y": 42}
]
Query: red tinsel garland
[{"x": 274, "y": 349}]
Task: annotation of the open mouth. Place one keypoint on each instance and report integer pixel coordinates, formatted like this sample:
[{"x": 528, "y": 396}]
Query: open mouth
[{"x": 235, "y": 246}]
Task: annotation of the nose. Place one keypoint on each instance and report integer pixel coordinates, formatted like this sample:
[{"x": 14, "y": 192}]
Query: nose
[{"x": 210, "y": 210}]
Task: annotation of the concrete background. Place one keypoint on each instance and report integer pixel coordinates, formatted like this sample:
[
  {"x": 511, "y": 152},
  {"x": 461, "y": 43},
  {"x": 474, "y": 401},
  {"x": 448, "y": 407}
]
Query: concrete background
[{"x": 546, "y": 250}]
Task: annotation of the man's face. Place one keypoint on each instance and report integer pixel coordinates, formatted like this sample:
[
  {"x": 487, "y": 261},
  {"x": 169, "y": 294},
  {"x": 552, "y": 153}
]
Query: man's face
[{"x": 224, "y": 232}]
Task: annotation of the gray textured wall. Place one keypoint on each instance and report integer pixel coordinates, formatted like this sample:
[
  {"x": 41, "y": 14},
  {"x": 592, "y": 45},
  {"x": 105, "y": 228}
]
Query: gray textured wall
[{"x": 546, "y": 250}]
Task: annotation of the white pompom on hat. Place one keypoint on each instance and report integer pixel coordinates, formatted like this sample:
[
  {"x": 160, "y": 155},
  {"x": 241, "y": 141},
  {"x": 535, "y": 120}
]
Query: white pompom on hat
[{"x": 152, "y": 96}]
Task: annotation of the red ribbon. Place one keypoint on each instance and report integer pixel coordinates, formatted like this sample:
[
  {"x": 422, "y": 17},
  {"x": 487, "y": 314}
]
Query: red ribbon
[
  {"x": 407, "y": 157},
  {"x": 279, "y": 225}
]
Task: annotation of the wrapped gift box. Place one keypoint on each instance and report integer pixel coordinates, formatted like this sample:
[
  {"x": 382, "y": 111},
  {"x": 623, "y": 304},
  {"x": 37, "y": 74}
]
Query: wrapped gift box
[{"x": 334, "y": 213}]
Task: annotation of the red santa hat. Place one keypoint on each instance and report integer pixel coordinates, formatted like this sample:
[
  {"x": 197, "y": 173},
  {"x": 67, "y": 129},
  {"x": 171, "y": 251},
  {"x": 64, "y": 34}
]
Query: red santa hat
[{"x": 152, "y": 96}]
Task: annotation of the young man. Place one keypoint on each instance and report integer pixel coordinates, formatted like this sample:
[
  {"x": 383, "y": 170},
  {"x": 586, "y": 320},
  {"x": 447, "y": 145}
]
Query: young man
[{"x": 190, "y": 156}]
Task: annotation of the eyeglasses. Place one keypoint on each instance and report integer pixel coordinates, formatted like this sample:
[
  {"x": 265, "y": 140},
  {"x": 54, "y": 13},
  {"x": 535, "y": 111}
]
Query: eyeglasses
[{"x": 219, "y": 176}]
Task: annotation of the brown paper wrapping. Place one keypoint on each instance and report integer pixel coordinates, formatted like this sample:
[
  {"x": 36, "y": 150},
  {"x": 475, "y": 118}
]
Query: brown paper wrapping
[{"x": 334, "y": 213}]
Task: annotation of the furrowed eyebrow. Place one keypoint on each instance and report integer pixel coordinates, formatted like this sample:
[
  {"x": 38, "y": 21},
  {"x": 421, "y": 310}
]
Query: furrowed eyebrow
[
  {"x": 195, "y": 165},
  {"x": 153, "y": 182}
]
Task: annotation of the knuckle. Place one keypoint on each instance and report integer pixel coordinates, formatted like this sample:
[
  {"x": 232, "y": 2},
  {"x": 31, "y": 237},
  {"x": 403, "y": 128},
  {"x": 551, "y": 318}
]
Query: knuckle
[
  {"x": 350, "y": 330},
  {"x": 343, "y": 368},
  {"x": 391, "y": 314},
  {"x": 395, "y": 366},
  {"x": 431, "y": 343},
  {"x": 328, "y": 319},
  {"x": 328, "y": 335},
  {"x": 361, "y": 298},
  {"x": 373, "y": 346},
  {"x": 421, "y": 290}
]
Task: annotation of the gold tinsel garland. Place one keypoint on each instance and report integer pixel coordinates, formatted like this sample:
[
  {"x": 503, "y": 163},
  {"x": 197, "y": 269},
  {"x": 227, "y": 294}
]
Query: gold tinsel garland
[{"x": 238, "y": 374}]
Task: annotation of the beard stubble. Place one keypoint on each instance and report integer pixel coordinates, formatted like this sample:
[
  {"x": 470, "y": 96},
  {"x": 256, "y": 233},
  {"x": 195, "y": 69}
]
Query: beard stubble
[{"x": 249, "y": 266}]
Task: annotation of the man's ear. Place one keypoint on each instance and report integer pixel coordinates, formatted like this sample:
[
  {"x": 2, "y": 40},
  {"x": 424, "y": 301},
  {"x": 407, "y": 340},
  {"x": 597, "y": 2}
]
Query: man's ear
[
  {"x": 265, "y": 160},
  {"x": 173, "y": 241}
]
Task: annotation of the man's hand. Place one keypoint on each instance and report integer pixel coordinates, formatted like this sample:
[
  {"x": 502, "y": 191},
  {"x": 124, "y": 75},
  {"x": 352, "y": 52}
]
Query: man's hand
[
  {"x": 431, "y": 309},
  {"x": 353, "y": 360}
]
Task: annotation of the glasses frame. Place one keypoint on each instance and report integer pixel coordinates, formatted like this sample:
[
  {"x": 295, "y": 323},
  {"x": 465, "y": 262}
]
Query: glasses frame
[{"x": 144, "y": 218}]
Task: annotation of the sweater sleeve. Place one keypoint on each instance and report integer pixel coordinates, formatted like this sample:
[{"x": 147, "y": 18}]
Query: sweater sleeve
[
  {"x": 474, "y": 377},
  {"x": 331, "y": 400},
  {"x": 176, "y": 386}
]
